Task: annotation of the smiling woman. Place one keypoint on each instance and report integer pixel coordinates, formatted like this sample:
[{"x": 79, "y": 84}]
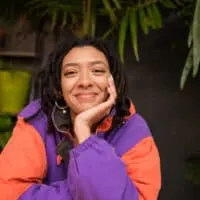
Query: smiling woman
[{"x": 83, "y": 138}]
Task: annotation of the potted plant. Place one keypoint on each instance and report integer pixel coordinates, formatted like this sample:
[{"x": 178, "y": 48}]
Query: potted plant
[{"x": 14, "y": 88}]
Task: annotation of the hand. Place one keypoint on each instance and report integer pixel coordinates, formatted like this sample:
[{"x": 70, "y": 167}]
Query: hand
[{"x": 85, "y": 120}]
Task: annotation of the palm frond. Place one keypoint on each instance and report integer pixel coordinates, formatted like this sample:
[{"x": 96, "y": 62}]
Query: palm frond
[
  {"x": 196, "y": 39},
  {"x": 143, "y": 21},
  {"x": 123, "y": 33},
  {"x": 187, "y": 69},
  {"x": 134, "y": 32},
  {"x": 168, "y": 3}
]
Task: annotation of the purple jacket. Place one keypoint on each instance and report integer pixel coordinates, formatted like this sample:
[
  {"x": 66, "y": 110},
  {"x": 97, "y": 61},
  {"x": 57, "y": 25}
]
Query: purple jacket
[{"x": 98, "y": 169}]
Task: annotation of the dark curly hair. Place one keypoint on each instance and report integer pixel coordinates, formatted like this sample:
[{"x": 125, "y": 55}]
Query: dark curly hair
[{"x": 50, "y": 77}]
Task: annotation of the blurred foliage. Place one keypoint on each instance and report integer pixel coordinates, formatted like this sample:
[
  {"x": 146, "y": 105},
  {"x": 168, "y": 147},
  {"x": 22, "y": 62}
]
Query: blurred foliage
[
  {"x": 82, "y": 17},
  {"x": 6, "y": 126},
  {"x": 6, "y": 123},
  {"x": 192, "y": 169},
  {"x": 4, "y": 137},
  {"x": 124, "y": 17},
  {"x": 193, "y": 59}
]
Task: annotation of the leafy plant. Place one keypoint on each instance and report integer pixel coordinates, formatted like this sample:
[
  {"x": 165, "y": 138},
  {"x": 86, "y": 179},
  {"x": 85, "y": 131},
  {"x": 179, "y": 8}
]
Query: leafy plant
[
  {"x": 125, "y": 17},
  {"x": 193, "y": 58},
  {"x": 142, "y": 15}
]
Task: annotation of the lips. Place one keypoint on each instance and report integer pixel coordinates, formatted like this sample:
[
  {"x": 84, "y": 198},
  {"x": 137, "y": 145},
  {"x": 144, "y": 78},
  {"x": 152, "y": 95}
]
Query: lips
[{"x": 86, "y": 96}]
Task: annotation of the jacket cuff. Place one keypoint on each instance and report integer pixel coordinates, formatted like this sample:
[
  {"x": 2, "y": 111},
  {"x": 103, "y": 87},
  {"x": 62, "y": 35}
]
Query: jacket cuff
[{"x": 93, "y": 142}]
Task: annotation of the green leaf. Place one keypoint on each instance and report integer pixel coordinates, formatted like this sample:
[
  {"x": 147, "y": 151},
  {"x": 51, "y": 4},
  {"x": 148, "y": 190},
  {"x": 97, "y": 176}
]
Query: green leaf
[
  {"x": 134, "y": 32},
  {"x": 151, "y": 21},
  {"x": 64, "y": 19},
  {"x": 187, "y": 68},
  {"x": 156, "y": 16},
  {"x": 117, "y": 4},
  {"x": 110, "y": 11},
  {"x": 168, "y": 3},
  {"x": 104, "y": 12},
  {"x": 190, "y": 38},
  {"x": 87, "y": 18},
  {"x": 93, "y": 24},
  {"x": 54, "y": 18},
  {"x": 122, "y": 34},
  {"x": 196, "y": 39},
  {"x": 143, "y": 21},
  {"x": 108, "y": 32}
]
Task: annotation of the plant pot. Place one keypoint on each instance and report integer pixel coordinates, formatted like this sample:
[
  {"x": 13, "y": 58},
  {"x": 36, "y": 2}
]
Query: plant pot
[{"x": 14, "y": 90}]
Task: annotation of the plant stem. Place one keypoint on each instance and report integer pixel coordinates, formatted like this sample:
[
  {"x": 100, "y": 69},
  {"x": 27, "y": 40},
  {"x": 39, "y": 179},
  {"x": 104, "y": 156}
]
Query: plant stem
[{"x": 87, "y": 4}]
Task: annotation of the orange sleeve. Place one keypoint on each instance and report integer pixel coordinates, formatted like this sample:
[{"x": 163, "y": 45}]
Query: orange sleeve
[
  {"x": 143, "y": 167},
  {"x": 22, "y": 162}
]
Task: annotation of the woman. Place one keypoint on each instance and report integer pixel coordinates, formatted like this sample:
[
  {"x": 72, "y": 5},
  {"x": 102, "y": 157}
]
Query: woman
[{"x": 83, "y": 138}]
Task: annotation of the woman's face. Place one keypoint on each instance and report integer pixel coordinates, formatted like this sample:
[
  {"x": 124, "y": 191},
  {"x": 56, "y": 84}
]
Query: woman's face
[{"x": 84, "y": 78}]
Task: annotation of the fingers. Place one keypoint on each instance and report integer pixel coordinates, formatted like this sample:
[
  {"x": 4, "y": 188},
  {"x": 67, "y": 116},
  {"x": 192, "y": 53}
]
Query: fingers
[
  {"x": 96, "y": 113},
  {"x": 112, "y": 90}
]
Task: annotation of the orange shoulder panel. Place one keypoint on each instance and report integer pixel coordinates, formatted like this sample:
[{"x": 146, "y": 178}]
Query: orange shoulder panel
[
  {"x": 22, "y": 162},
  {"x": 143, "y": 167}
]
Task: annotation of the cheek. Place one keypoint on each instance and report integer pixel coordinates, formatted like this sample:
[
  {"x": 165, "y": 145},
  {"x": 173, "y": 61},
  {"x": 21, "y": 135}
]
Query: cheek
[
  {"x": 102, "y": 83},
  {"x": 63, "y": 86},
  {"x": 66, "y": 87}
]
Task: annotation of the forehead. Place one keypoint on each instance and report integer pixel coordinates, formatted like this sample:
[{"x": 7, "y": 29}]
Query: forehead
[{"x": 84, "y": 54}]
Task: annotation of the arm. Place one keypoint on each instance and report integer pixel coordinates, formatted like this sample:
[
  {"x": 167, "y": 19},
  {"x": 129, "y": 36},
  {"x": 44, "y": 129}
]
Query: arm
[
  {"x": 23, "y": 167},
  {"x": 95, "y": 172}
]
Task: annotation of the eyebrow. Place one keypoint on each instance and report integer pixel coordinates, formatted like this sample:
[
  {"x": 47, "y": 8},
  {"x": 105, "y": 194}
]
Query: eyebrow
[{"x": 90, "y": 63}]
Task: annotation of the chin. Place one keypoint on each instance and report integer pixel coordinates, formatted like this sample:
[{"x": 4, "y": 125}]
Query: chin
[{"x": 87, "y": 107}]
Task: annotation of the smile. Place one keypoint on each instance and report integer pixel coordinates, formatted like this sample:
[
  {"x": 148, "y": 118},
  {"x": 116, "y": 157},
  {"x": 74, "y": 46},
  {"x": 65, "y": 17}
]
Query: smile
[{"x": 86, "y": 96}]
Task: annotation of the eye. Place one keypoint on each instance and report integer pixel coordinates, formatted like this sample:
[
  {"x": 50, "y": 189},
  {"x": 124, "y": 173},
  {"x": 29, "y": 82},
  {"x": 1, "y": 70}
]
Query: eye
[
  {"x": 70, "y": 73},
  {"x": 98, "y": 71}
]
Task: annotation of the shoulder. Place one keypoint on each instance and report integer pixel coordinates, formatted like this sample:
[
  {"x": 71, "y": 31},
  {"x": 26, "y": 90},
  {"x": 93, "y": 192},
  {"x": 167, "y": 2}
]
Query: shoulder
[
  {"x": 34, "y": 116},
  {"x": 31, "y": 109},
  {"x": 136, "y": 123},
  {"x": 134, "y": 131}
]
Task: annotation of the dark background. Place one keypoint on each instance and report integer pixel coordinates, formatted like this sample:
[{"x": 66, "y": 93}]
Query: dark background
[{"x": 172, "y": 114}]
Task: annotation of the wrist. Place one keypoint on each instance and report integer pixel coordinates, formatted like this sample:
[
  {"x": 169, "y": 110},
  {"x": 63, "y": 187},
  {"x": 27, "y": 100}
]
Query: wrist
[{"x": 82, "y": 132}]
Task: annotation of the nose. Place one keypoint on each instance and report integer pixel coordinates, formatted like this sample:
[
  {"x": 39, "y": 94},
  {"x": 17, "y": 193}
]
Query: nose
[{"x": 85, "y": 79}]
